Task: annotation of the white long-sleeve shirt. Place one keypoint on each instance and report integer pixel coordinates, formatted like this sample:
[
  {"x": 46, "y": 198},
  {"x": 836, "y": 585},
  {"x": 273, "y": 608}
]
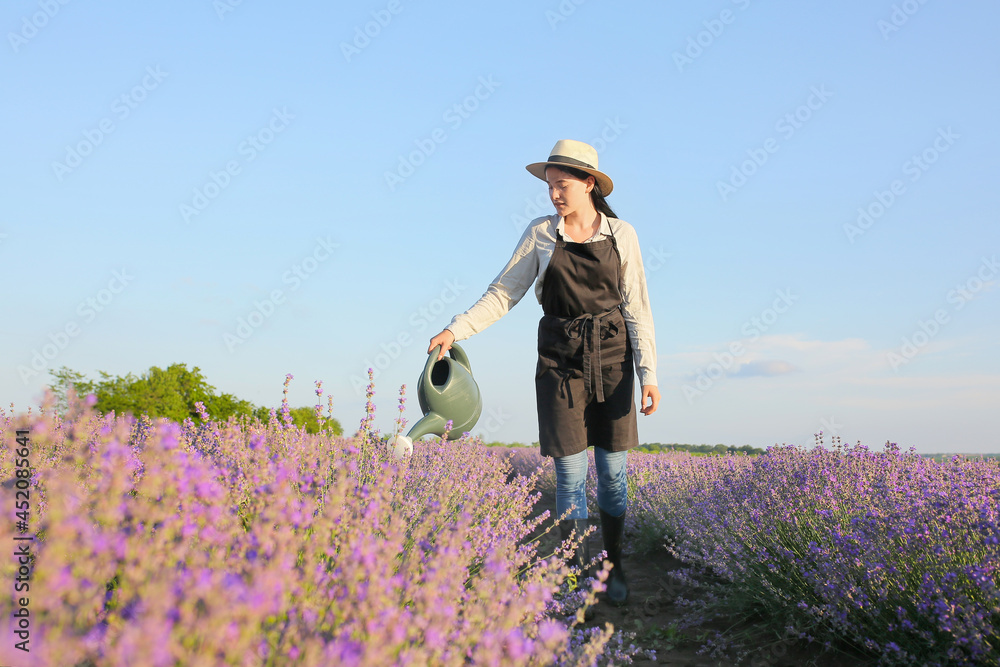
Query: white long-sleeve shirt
[{"x": 531, "y": 259}]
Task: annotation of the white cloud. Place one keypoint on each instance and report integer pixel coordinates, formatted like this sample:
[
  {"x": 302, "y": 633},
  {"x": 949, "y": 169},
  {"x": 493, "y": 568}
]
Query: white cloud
[
  {"x": 768, "y": 368},
  {"x": 786, "y": 386}
]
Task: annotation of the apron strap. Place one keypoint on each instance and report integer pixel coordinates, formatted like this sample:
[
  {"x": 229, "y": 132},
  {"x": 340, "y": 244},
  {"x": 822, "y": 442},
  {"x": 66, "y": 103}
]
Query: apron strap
[{"x": 589, "y": 328}]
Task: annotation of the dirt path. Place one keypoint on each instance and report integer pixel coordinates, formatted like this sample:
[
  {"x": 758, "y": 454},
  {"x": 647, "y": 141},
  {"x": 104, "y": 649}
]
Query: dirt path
[{"x": 652, "y": 615}]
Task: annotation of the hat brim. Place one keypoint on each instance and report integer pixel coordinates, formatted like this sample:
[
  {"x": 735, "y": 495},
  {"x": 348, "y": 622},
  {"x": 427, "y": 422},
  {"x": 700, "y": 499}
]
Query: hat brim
[{"x": 537, "y": 169}]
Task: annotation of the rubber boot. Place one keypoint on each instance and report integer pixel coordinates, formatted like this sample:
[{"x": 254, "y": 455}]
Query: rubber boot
[
  {"x": 580, "y": 558},
  {"x": 613, "y": 531}
]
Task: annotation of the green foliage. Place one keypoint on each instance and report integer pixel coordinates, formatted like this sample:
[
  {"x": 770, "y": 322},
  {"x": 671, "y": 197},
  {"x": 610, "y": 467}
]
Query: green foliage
[
  {"x": 64, "y": 379},
  {"x": 170, "y": 393},
  {"x": 306, "y": 418},
  {"x": 664, "y": 638},
  {"x": 303, "y": 418},
  {"x": 656, "y": 448},
  {"x": 940, "y": 458}
]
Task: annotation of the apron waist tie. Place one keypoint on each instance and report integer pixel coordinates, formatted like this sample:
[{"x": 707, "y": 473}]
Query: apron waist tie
[{"x": 589, "y": 327}]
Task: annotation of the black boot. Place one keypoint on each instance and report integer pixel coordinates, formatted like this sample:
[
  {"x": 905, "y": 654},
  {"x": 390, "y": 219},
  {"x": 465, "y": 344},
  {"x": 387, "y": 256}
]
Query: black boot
[{"x": 613, "y": 530}]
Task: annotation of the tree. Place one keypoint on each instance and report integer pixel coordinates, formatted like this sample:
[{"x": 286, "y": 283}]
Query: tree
[
  {"x": 64, "y": 380},
  {"x": 306, "y": 417},
  {"x": 303, "y": 418},
  {"x": 170, "y": 393}
]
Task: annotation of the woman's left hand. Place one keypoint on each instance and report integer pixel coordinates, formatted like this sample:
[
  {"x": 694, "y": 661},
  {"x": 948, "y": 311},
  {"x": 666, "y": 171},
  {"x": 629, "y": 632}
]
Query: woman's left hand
[{"x": 653, "y": 394}]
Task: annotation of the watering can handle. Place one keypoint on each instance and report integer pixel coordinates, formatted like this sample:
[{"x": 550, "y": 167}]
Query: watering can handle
[
  {"x": 429, "y": 366},
  {"x": 458, "y": 354}
]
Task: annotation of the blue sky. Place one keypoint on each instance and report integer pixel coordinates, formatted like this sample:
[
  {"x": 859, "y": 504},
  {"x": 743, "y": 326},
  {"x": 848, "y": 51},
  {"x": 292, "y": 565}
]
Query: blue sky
[{"x": 260, "y": 189}]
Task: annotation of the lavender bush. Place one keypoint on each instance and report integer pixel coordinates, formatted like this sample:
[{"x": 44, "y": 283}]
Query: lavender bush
[
  {"x": 886, "y": 551},
  {"x": 245, "y": 543}
]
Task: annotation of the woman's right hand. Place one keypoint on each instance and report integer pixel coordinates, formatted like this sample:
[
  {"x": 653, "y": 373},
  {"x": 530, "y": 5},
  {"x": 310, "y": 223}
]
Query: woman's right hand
[{"x": 444, "y": 339}]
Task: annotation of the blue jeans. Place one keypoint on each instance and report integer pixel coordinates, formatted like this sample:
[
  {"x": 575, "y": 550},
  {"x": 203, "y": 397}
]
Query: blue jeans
[{"x": 571, "y": 483}]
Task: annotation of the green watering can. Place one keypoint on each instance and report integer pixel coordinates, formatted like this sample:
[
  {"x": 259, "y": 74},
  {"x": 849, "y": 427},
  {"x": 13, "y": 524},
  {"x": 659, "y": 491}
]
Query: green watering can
[{"x": 446, "y": 391}]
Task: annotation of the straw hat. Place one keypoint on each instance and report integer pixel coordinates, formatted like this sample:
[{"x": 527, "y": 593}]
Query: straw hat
[{"x": 570, "y": 153}]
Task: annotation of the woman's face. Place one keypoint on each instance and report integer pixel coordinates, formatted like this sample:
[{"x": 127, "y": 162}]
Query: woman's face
[{"x": 567, "y": 192}]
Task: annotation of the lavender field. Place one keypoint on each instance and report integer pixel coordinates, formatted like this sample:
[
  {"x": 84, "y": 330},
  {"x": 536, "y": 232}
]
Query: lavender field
[
  {"x": 887, "y": 552},
  {"x": 249, "y": 543}
]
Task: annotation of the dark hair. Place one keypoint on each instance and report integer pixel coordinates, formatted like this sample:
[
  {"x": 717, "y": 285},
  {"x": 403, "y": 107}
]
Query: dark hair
[{"x": 596, "y": 196}]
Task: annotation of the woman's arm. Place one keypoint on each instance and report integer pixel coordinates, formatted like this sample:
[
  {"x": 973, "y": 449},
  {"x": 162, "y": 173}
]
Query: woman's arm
[
  {"x": 504, "y": 292},
  {"x": 639, "y": 317}
]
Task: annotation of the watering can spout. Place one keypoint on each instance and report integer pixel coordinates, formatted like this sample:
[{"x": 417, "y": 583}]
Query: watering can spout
[
  {"x": 447, "y": 392},
  {"x": 431, "y": 423}
]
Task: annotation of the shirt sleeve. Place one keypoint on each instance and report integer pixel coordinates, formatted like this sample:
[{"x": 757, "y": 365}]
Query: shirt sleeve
[
  {"x": 504, "y": 292},
  {"x": 636, "y": 309}
]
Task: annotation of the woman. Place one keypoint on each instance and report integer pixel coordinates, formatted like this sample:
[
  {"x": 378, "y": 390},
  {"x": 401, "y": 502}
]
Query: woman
[{"x": 596, "y": 325}]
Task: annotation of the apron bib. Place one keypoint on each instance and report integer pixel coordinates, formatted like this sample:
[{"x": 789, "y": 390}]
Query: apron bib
[{"x": 584, "y": 382}]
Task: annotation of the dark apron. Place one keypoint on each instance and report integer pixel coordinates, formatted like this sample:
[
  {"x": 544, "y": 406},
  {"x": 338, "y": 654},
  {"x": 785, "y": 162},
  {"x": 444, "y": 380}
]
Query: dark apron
[{"x": 584, "y": 380}]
